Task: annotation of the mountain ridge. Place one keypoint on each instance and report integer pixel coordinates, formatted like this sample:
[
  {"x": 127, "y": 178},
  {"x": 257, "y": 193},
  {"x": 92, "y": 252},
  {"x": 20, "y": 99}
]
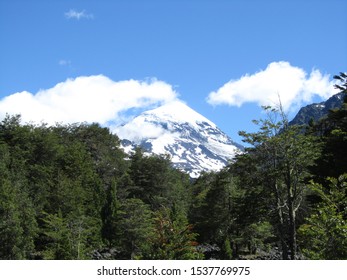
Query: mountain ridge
[{"x": 316, "y": 111}]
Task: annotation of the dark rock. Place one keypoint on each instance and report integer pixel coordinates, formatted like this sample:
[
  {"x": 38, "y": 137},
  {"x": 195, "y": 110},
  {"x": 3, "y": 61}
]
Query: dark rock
[{"x": 316, "y": 111}]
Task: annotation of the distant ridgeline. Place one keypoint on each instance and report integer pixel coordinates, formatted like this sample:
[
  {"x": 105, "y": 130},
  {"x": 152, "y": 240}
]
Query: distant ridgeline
[{"x": 316, "y": 111}]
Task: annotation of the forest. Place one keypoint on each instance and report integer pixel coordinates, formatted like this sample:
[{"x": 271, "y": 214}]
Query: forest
[{"x": 70, "y": 192}]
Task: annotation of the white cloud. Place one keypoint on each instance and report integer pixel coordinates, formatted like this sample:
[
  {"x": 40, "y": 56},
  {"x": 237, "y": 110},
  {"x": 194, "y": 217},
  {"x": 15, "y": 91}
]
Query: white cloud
[
  {"x": 292, "y": 84},
  {"x": 73, "y": 14},
  {"x": 87, "y": 99},
  {"x": 137, "y": 131},
  {"x": 64, "y": 62}
]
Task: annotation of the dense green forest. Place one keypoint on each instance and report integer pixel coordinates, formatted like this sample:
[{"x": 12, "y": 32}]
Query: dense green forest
[{"x": 70, "y": 192}]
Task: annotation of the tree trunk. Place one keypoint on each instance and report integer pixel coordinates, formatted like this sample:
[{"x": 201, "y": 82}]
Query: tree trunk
[
  {"x": 291, "y": 210},
  {"x": 280, "y": 226},
  {"x": 282, "y": 237},
  {"x": 292, "y": 230}
]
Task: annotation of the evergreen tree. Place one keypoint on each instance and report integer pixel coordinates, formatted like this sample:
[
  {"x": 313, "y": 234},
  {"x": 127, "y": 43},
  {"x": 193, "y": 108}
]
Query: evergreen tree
[
  {"x": 215, "y": 203},
  {"x": 110, "y": 217},
  {"x": 11, "y": 232},
  {"x": 18, "y": 227},
  {"x": 136, "y": 225},
  {"x": 324, "y": 235},
  {"x": 173, "y": 238},
  {"x": 155, "y": 182},
  {"x": 58, "y": 245},
  {"x": 331, "y": 162}
]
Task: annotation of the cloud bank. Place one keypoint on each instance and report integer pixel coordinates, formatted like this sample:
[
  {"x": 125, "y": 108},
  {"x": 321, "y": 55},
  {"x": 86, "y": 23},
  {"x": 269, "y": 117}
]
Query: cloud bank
[
  {"x": 87, "y": 99},
  {"x": 292, "y": 84}
]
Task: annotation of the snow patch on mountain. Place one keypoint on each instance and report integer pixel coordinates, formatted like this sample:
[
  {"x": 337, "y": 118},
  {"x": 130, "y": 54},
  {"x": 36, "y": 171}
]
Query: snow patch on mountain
[{"x": 194, "y": 143}]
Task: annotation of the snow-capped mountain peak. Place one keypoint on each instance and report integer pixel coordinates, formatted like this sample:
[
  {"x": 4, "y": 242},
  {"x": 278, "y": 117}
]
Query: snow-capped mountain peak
[
  {"x": 179, "y": 112},
  {"x": 194, "y": 143}
]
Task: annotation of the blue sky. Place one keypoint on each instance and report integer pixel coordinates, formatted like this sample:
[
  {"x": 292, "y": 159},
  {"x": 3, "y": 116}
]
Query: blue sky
[{"x": 223, "y": 58}]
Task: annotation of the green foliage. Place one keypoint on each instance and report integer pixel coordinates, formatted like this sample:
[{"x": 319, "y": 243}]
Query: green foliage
[
  {"x": 324, "y": 234},
  {"x": 11, "y": 231},
  {"x": 18, "y": 227},
  {"x": 70, "y": 192},
  {"x": 280, "y": 157},
  {"x": 342, "y": 86},
  {"x": 255, "y": 236},
  {"x": 173, "y": 238},
  {"x": 136, "y": 225},
  {"x": 58, "y": 238},
  {"x": 66, "y": 238},
  {"x": 228, "y": 251},
  {"x": 332, "y": 160},
  {"x": 154, "y": 181},
  {"x": 110, "y": 217},
  {"x": 218, "y": 212},
  {"x": 58, "y": 192}
]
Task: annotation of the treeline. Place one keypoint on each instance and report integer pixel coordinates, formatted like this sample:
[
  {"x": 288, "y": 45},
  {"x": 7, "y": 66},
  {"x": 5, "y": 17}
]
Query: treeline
[
  {"x": 285, "y": 197},
  {"x": 70, "y": 192}
]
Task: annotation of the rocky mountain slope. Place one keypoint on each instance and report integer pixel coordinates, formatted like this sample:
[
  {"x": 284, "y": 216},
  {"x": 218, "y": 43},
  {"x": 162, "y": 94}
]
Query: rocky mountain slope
[{"x": 316, "y": 111}]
